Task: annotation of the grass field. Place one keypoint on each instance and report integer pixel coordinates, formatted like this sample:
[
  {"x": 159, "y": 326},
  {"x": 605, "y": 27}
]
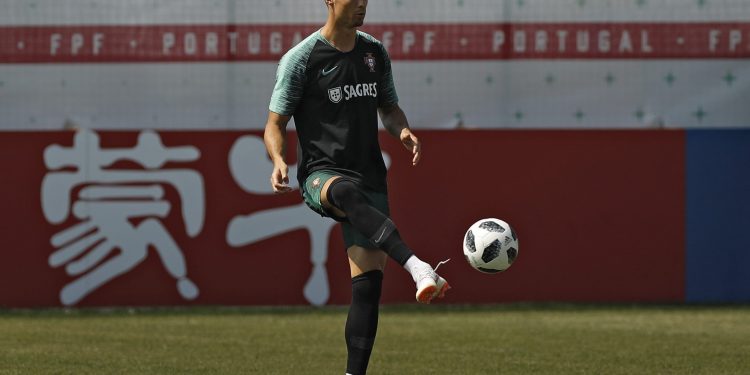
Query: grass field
[{"x": 506, "y": 339}]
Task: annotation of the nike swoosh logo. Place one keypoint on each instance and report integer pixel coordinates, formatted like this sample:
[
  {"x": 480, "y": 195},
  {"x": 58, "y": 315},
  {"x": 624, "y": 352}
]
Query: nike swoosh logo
[
  {"x": 327, "y": 72},
  {"x": 381, "y": 235}
]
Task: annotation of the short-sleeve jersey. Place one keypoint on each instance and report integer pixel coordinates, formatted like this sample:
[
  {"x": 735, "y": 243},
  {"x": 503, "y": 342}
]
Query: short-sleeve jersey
[{"x": 333, "y": 97}]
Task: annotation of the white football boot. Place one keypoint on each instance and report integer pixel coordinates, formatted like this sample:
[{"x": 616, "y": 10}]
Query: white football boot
[{"x": 430, "y": 285}]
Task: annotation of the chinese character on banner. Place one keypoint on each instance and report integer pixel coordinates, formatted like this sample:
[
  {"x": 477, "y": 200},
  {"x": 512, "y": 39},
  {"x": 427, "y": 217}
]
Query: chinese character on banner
[{"x": 104, "y": 243}]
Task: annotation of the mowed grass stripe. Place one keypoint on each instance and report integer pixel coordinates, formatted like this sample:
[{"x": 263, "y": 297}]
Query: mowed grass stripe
[{"x": 507, "y": 339}]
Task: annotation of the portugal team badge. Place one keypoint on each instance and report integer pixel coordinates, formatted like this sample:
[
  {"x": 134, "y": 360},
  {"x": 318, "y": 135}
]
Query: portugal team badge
[
  {"x": 370, "y": 61},
  {"x": 334, "y": 94}
]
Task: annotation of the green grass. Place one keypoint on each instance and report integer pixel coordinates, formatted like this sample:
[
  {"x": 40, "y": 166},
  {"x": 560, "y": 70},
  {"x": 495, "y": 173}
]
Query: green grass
[{"x": 508, "y": 339}]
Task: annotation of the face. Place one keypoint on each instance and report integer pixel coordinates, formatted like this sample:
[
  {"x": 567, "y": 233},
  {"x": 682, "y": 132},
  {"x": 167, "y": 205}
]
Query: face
[{"x": 350, "y": 13}]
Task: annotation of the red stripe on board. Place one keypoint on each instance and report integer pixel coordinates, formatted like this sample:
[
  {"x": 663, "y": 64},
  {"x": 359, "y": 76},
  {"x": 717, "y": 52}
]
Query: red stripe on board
[{"x": 474, "y": 41}]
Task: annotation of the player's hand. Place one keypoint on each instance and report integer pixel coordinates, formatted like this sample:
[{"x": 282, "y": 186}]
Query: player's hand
[
  {"x": 280, "y": 179},
  {"x": 411, "y": 142}
]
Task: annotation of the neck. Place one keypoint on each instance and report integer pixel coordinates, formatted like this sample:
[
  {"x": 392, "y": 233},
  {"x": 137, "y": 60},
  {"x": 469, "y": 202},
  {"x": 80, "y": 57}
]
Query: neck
[{"x": 341, "y": 37}]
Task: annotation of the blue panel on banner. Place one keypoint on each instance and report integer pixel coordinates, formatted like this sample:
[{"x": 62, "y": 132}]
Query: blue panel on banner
[{"x": 718, "y": 216}]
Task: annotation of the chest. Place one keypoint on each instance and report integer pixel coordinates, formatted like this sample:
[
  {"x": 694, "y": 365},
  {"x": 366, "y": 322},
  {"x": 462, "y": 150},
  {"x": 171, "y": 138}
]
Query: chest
[{"x": 345, "y": 77}]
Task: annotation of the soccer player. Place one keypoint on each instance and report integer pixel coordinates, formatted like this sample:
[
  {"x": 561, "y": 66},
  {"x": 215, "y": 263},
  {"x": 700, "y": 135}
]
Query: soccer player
[{"x": 335, "y": 83}]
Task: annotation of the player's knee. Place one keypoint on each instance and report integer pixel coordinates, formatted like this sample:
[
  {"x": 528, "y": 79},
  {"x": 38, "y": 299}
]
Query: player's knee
[
  {"x": 366, "y": 287},
  {"x": 345, "y": 195}
]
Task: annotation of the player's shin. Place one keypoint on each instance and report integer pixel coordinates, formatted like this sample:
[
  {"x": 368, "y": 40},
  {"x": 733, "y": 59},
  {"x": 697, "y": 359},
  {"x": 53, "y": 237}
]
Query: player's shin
[{"x": 362, "y": 321}]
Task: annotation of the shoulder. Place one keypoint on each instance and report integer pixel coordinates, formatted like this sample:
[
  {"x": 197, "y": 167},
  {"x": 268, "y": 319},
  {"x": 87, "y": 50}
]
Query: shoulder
[
  {"x": 299, "y": 54},
  {"x": 369, "y": 39},
  {"x": 375, "y": 44}
]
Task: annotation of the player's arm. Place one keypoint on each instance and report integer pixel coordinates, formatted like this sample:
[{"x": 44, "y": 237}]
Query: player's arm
[
  {"x": 275, "y": 140},
  {"x": 391, "y": 115},
  {"x": 395, "y": 122},
  {"x": 287, "y": 92}
]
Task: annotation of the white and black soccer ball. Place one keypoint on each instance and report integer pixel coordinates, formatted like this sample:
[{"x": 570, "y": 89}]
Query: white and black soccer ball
[{"x": 490, "y": 245}]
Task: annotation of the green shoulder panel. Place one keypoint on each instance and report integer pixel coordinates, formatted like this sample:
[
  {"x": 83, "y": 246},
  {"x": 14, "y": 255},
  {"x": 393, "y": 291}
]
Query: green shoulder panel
[{"x": 290, "y": 77}]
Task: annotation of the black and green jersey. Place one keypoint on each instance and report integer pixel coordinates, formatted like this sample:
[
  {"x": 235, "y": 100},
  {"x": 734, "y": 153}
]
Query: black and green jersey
[{"x": 333, "y": 97}]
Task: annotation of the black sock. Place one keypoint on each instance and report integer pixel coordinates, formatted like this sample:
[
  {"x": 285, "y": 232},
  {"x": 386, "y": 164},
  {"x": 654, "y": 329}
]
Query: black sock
[
  {"x": 365, "y": 218},
  {"x": 362, "y": 321}
]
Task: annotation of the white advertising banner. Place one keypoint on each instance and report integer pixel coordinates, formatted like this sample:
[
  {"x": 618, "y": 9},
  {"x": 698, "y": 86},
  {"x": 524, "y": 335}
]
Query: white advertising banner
[{"x": 461, "y": 63}]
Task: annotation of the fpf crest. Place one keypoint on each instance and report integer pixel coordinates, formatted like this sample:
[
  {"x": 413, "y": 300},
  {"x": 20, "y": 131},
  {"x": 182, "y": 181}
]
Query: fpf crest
[{"x": 370, "y": 61}]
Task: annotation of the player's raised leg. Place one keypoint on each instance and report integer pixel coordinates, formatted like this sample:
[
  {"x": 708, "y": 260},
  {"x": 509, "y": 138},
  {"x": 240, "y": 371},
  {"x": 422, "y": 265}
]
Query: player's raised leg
[{"x": 346, "y": 199}]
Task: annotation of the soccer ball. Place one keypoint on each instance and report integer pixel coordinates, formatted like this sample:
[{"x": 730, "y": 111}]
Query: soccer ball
[{"x": 490, "y": 245}]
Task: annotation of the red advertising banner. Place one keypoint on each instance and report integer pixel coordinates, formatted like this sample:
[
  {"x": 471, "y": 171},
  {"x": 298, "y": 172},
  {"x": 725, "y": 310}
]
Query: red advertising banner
[
  {"x": 186, "y": 218},
  {"x": 427, "y": 41}
]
